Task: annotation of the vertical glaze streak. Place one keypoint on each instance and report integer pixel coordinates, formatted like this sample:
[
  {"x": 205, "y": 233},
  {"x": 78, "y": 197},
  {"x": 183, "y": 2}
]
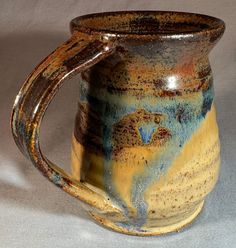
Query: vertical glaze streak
[
  {"x": 145, "y": 105},
  {"x": 182, "y": 117},
  {"x": 182, "y": 129}
]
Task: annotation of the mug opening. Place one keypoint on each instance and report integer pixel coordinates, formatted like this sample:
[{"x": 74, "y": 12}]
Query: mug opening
[{"x": 159, "y": 23}]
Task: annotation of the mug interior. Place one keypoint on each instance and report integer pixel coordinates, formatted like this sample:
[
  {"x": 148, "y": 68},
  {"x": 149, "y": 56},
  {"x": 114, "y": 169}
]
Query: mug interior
[{"x": 147, "y": 22}]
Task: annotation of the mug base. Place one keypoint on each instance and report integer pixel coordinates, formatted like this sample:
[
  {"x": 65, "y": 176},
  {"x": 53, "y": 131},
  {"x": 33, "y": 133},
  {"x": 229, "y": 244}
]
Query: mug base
[{"x": 154, "y": 231}]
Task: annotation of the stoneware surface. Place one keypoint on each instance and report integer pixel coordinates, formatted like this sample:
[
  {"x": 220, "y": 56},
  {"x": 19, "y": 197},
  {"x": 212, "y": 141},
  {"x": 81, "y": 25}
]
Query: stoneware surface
[
  {"x": 145, "y": 102},
  {"x": 31, "y": 205}
]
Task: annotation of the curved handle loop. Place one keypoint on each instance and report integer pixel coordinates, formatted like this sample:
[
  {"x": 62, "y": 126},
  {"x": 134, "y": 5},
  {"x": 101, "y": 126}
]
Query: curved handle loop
[{"x": 77, "y": 54}]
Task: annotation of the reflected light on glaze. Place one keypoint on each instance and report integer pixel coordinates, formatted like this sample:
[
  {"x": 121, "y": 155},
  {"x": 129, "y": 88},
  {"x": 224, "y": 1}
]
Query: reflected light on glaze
[{"x": 172, "y": 82}]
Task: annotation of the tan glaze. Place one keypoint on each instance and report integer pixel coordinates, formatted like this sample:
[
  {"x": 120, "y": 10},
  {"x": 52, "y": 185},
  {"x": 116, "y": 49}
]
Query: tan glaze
[
  {"x": 145, "y": 148},
  {"x": 177, "y": 197}
]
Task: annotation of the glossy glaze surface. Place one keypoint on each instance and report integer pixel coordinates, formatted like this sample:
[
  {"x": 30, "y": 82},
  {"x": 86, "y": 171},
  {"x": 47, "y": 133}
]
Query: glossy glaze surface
[{"x": 145, "y": 148}]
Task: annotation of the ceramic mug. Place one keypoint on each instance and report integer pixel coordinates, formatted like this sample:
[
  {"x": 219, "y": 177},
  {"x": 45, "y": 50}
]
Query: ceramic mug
[{"x": 145, "y": 149}]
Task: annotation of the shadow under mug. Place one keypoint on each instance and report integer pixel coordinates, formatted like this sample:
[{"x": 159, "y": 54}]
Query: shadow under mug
[{"x": 145, "y": 149}]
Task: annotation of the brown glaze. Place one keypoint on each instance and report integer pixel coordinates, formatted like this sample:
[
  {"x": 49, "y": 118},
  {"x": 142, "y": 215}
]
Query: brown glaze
[{"x": 146, "y": 100}]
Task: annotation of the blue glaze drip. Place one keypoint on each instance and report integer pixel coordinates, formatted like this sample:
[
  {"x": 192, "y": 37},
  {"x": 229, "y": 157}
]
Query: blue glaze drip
[
  {"x": 146, "y": 131},
  {"x": 56, "y": 178},
  {"x": 185, "y": 119},
  {"x": 181, "y": 116},
  {"x": 208, "y": 96},
  {"x": 110, "y": 114}
]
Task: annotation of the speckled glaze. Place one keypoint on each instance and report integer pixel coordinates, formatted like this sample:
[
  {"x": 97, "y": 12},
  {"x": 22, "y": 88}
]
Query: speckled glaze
[{"x": 145, "y": 149}]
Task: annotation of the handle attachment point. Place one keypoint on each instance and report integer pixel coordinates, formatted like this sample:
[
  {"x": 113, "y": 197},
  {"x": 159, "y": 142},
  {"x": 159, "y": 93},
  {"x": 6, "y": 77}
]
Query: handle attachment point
[{"x": 77, "y": 54}]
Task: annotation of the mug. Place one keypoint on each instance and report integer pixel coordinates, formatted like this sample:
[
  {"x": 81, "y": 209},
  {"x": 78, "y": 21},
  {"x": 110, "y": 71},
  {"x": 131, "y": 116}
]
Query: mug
[{"x": 145, "y": 148}]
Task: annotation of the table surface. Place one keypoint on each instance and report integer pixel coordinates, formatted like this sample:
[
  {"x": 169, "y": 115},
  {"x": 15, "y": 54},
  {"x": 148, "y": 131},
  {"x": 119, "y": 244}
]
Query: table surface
[{"x": 33, "y": 212}]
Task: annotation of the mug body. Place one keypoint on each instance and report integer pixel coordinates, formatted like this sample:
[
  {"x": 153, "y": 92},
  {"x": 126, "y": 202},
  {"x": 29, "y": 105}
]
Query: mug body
[
  {"x": 145, "y": 132},
  {"x": 145, "y": 148}
]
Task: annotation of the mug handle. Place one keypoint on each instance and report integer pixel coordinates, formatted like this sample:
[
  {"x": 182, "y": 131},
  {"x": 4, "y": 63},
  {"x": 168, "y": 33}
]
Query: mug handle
[{"x": 77, "y": 54}]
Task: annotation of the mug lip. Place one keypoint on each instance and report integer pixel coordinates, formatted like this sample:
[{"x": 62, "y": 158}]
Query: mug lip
[{"x": 76, "y": 24}]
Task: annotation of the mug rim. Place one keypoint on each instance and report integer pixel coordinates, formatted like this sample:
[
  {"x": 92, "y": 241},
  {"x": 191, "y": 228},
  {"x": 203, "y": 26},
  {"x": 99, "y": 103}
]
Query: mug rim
[{"x": 212, "y": 25}]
